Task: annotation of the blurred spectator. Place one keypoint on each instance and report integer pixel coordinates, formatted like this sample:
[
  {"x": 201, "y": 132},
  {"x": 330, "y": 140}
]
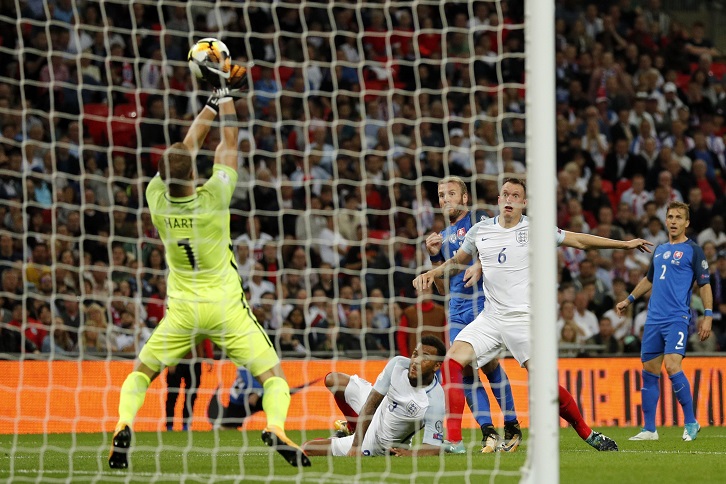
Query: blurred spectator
[
  {"x": 58, "y": 340},
  {"x": 698, "y": 43},
  {"x": 636, "y": 196},
  {"x": 620, "y": 163},
  {"x": 567, "y": 318},
  {"x": 101, "y": 336},
  {"x": 715, "y": 233},
  {"x": 425, "y": 318},
  {"x": 605, "y": 336},
  {"x": 569, "y": 341}
]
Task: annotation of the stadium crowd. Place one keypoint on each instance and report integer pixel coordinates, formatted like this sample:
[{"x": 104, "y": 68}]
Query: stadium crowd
[{"x": 354, "y": 114}]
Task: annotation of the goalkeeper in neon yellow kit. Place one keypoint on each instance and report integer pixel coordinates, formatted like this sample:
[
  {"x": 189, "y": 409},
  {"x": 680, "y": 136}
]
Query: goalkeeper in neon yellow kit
[{"x": 205, "y": 296}]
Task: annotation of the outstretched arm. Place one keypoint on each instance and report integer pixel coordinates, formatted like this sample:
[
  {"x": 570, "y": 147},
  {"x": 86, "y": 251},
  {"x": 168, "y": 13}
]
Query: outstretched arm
[
  {"x": 199, "y": 129},
  {"x": 364, "y": 420},
  {"x": 226, "y": 153},
  {"x": 587, "y": 241}
]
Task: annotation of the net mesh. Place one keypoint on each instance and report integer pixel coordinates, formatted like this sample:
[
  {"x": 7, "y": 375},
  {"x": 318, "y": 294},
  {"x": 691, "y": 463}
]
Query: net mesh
[{"x": 356, "y": 110}]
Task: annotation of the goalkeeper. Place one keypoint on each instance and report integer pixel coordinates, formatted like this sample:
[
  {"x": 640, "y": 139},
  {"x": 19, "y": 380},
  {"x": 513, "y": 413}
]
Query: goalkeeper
[
  {"x": 205, "y": 296},
  {"x": 406, "y": 398}
]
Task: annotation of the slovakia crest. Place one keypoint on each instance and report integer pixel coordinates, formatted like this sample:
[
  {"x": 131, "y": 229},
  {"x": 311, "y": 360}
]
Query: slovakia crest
[
  {"x": 522, "y": 237},
  {"x": 667, "y": 255},
  {"x": 677, "y": 255},
  {"x": 461, "y": 233}
]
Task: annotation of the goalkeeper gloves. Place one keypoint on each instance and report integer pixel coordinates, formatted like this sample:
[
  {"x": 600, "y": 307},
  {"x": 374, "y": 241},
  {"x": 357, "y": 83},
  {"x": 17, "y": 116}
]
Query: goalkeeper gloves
[
  {"x": 236, "y": 82},
  {"x": 217, "y": 96}
]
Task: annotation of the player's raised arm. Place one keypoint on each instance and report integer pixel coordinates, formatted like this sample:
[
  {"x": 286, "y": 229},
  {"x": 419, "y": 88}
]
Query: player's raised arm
[
  {"x": 199, "y": 129},
  {"x": 364, "y": 420},
  {"x": 587, "y": 241},
  {"x": 226, "y": 153}
]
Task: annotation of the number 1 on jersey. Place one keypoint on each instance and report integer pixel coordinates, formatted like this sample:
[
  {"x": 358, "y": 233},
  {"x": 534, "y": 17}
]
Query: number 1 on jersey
[{"x": 187, "y": 246}]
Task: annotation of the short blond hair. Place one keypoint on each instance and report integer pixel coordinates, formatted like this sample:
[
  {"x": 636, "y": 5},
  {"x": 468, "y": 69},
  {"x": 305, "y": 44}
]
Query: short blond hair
[
  {"x": 680, "y": 206},
  {"x": 175, "y": 167},
  {"x": 456, "y": 180}
]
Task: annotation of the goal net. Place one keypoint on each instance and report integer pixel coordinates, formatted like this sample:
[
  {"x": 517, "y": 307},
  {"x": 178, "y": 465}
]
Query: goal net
[{"x": 355, "y": 111}]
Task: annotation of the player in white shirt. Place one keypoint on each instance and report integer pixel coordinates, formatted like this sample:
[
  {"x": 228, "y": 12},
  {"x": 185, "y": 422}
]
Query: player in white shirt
[
  {"x": 405, "y": 398},
  {"x": 502, "y": 244}
]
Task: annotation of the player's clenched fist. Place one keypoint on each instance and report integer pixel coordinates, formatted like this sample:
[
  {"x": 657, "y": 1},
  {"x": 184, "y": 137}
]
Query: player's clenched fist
[{"x": 433, "y": 243}]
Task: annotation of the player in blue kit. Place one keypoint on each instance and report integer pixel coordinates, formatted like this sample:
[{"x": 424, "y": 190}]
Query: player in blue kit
[
  {"x": 245, "y": 398},
  {"x": 674, "y": 268},
  {"x": 464, "y": 306}
]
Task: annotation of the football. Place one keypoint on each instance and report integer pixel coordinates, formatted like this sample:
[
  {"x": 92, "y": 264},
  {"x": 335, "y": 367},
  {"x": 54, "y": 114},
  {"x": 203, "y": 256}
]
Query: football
[{"x": 209, "y": 59}]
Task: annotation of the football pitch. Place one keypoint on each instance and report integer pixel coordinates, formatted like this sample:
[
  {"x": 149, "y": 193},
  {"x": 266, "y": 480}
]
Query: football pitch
[{"x": 217, "y": 457}]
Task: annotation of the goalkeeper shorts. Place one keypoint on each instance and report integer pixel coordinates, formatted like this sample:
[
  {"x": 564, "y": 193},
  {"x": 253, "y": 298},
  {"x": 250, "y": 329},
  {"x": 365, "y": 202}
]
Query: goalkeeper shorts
[{"x": 230, "y": 325}]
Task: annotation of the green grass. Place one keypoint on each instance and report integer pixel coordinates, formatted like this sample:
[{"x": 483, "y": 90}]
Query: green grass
[{"x": 217, "y": 457}]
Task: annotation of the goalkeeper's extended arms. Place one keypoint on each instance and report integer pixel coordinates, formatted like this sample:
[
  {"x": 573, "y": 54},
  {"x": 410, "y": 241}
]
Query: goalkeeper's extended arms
[
  {"x": 364, "y": 420},
  {"x": 198, "y": 131},
  {"x": 226, "y": 153}
]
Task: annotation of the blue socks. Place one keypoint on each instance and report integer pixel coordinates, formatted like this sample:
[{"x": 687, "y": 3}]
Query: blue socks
[
  {"x": 503, "y": 392},
  {"x": 477, "y": 400},
  {"x": 682, "y": 389},
  {"x": 650, "y": 392}
]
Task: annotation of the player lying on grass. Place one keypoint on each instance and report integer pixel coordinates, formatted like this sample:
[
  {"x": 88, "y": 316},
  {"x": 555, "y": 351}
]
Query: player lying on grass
[{"x": 406, "y": 398}]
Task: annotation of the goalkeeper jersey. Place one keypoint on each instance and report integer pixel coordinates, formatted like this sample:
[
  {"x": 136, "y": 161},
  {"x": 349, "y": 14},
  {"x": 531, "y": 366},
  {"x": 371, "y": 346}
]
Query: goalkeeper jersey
[{"x": 195, "y": 233}]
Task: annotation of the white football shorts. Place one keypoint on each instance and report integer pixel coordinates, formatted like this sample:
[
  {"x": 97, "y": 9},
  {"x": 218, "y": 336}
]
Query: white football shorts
[{"x": 488, "y": 332}]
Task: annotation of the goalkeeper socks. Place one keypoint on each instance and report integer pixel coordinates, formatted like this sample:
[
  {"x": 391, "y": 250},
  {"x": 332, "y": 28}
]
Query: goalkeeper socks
[
  {"x": 351, "y": 416},
  {"x": 570, "y": 412},
  {"x": 455, "y": 400},
  {"x": 276, "y": 401},
  {"x": 133, "y": 392},
  {"x": 503, "y": 393},
  {"x": 649, "y": 394},
  {"x": 477, "y": 400},
  {"x": 682, "y": 389}
]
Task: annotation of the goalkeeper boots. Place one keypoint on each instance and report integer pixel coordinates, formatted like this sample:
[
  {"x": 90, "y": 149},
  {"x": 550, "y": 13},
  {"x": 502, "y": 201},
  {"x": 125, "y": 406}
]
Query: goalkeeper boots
[
  {"x": 491, "y": 440},
  {"x": 275, "y": 437},
  {"x": 512, "y": 437},
  {"x": 341, "y": 429},
  {"x": 118, "y": 457},
  {"x": 691, "y": 431},
  {"x": 601, "y": 442}
]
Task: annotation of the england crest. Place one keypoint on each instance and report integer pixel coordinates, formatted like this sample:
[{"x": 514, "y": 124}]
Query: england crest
[
  {"x": 412, "y": 409},
  {"x": 522, "y": 237}
]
